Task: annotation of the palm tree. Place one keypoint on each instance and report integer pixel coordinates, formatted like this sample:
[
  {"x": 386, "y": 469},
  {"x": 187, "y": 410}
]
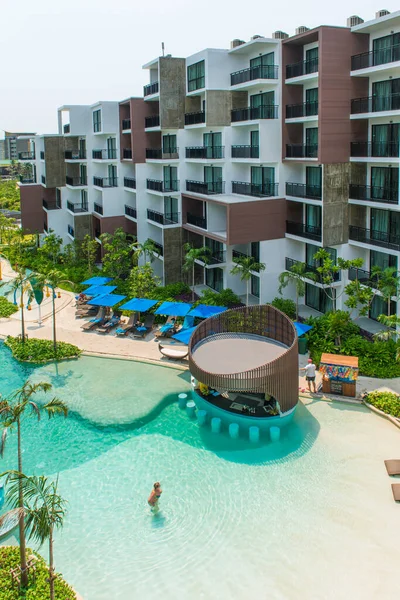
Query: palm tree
[
  {"x": 387, "y": 282},
  {"x": 392, "y": 324},
  {"x": 191, "y": 256},
  {"x": 12, "y": 409},
  {"x": 297, "y": 274},
  {"x": 53, "y": 279},
  {"x": 45, "y": 510},
  {"x": 146, "y": 249},
  {"x": 245, "y": 267},
  {"x": 19, "y": 285}
]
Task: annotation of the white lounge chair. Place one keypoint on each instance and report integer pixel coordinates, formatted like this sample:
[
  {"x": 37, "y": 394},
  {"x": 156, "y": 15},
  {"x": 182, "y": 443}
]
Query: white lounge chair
[{"x": 173, "y": 353}]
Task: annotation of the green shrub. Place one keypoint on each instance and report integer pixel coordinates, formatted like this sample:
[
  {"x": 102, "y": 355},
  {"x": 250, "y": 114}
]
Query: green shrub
[
  {"x": 285, "y": 305},
  {"x": 36, "y": 590},
  {"x": 6, "y": 308},
  {"x": 40, "y": 351},
  {"x": 225, "y": 298},
  {"x": 388, "y": 402}
]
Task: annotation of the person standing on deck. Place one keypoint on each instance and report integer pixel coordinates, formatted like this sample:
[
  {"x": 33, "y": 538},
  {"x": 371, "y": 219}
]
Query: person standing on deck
[{"x": 310, "y": 369}]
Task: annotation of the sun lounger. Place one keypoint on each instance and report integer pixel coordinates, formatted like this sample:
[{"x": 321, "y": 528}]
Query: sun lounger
[
  {"x": 126, "y": 327},
  {"x": 396, "y": 491},
  {"x": 144, "y": 330},
  {"x": 108, "y": 325},
  {"x": 392, "y": 467},
  {"x": 167, "y": 328},
  {"x": 173, "y": 353},
  {"x": 99, "y": 318}
]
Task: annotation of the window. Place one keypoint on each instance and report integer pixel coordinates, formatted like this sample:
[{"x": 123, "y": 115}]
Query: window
[
  {"x": 97, "y": 121},
  {"x": 311, "y": 107},
  {"x": 311, "y": 65},
  {"x": 213, "y": 145},
  {"x": 316, "y": 298},
  {"x": 262, "y": 67},
  {"x": 386, "y": 95},
  {"x": 171, "y": 209},
  {"x": 382, "y": 260},
  {"x": 217, "y": 248},
  {"x": 386, "y": 49},
  {"x": 58, "y": 197},
  {"x": 83, "y": 174},
  {"x": 112, "y": 175},
  {"x": 255, "y": 286},
  {"x": 170, "y": 179},
  {"x": 262, "y": 106},
  {"x": 313, "y": 218},
  {"x": 111, "y": 148},
  {"x": 169, "y": 144},
  {"x": 84, "y": 199},
  {"x": 379, "y": 306},
  {"x": 385, "y": 226},
  {"x": 385, "y": 140},
  {"x": 385, "y": 183},
  {"x": 215, "y": 279},
  {"x": 196, "y": 77},
  {"x": 263, "y": 180},
  {"x": 312, "y": 142},
  {"x": 255, "y": 251},
  {"x": 313, "y": 182},
  {"x": 82, "y": 148}
]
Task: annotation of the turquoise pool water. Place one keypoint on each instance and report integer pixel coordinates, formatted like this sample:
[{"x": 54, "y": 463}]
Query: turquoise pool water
[{"x": 297, "y": 519}]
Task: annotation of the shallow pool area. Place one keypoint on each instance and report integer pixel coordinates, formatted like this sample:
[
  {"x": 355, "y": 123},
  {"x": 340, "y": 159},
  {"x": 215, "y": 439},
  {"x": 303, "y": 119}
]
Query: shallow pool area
[{"x": 310, "y": 516}]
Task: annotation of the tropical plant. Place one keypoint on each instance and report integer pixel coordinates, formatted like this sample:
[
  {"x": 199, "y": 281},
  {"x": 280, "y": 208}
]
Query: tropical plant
[
  {"x": 388, "y": 402},
  {"x": 53, "y": 279},
  {"x": 6, "y": 308},
  {"x": 88, "y": 249},
  {"x": 146, "y": 249},
  {"x": 296, "y": 275},
  {"x": 13, "y": 408},
  {"x": 19, "y": 285},
  {"x": 40, "y": 351},
  {"x": 9, "y": 195},
  {"x": 50, "y": 251},
  {"x": 286, "y": 305},
  {"x": 117, "y": 257},
  {"x": 330, "y": 271},
  {"x": 8, "y": 226},
  {"x": 142, "y": 283},
  {"x": 387, "y": 283},
  {"x": 245, "y": 267},
  {"x": 192, "y": 255},
  {"x": 225, "y": 297}
]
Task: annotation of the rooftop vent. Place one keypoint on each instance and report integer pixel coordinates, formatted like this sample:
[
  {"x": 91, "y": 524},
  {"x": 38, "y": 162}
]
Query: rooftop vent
[
  {"x": 382, "y": 13},
  {"x": 302, "y": 29},
  {"x": 354, "y": 20},
  {"x": 256, "y": 37},
  {"x": 280, "y": 35},
  {"x": 236, "y": 43}
]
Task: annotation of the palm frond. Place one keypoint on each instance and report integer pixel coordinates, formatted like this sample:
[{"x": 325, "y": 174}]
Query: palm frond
[
  {"x": 56, "y": 407},
  {"x": 35, "y": 408},
  {"x": 3, "y": 441}
]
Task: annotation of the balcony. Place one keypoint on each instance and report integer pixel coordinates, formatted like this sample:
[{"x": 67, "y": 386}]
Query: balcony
[
  {"x": 376, "y": 238},
  {"x": 290, "y": 262},
  {"x": 29, "y": 178},
  {"x": 162, "y": 218},
  {"x": 44, "y": 179},
  {"x": 151, "y": 88},
  {"x": 257, "y": 190},
  {"x": 364, "y": 277},
  {"x": 304, "y": 190},
  {"x": 130, "y": 182},
  {"x": 42, "y": 155},
  {"x": 76, "y": 181},
  {"x": 106, "y": 154},
  {"x": 126, "y": 124},
  {"x": 245, "y": 151},
  {"x": 306, "y": 109},
  {"x": 105, "y": 182},
  {"x": 195, "y": 118},
  {"x": 215, "y": 258},
  {"x": 205, "y": 152},
  {"x": 301, "y": 150},
  {"x": 253, "y": 73},
  {"x": 77, "y": 208},
  {"x": 251, "y": 113},
  {"x": 26, "y": 156},
  {"x": 153, "y": 121},
  {"x": 159, "y": 249},
  {"x": 157, "y": 185},
  {"x": 375, "y": 149},
  {"x": 238, "y": 256},
  {"x": 374, "y": 193},
  {"x": 51, "y": 205},
  {"x": 98, "y": 208},
  {"x": 158, "y": 154},
  {"x": 71, "y": 231},
  {"x": 373, "y": 104},
  {"x": 67, "y": 128},
  {"x": 375, "y": 58},
  {"x": 208, "y": 188},
  {"x": 196, "y": 221},
  {"x": 127, "y": 153},
  {"x": 75, "y": 155},
  {"x": 310, "y": 232},
  {"x": 304, "y": 67},
  {"x": 130, "y": 211}
]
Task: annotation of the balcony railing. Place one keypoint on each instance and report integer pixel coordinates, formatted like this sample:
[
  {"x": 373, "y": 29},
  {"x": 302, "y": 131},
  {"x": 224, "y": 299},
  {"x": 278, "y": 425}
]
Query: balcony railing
[
  {"x": 163, "y": 186},
  {"x": 153, "y": 121},
  {"x": 26, "y": 156},
  {"x": 245, "y": 151},
  {"x": 44, "y": 179},
  {"x": 290, "y": 262},
  {"x": 75, "y": 155},
  {"x": 27, "y": 178},
  {"x": 127, "y": 153},
  {"x": 310, "y": 232},
  {"x": 162, "y": 218},
  {"x": 105, "y": 154},
  {"x": 255, "y": 189},
  {"x": 304, "y": 190},
  {"x": 98, "y": 208},
  {"x": 195, "y": 117},
  {"x": 76, "y": 181},
  {"x": 237, "y": 256},
  {"x": 196, "y": 220},
  {"x": 50, "y": 205},
  {"x": 304, "y": 67},
  {"x": 105, "y": 182},
  {"x": 151, "y": 88},
  {"x": 375, "y": 57},
  {"x": 67, "y": 128},
  {"x": 306, "y": 109},
  {"x": 71, "y": 231},
  {"x": 130, "y": 211},
  {"x": 374, "y": 193},
  {"x": 126, "y": 124},
  {"x": 373, "y": 104},
  {"x": 375, "y": 149},
  {"x": 77, "y": 208},
  {"x": 252, "y": 73},
  {"x": 252, "y": 113},
  {"x": 158, "y": 154},
  {"x": 159, "y": 249},
  {"x": 301, "y": 150},
  {"x": 42, "y": 155},
  {"x": 209, "y": 188},
  {"x": 376, "y": 238},
  {"x": 364, "y": 277},
  {"x": 205, "y": 152},
  {"x": 216, "y": 258},
  {"x": 130, "y": 182}
]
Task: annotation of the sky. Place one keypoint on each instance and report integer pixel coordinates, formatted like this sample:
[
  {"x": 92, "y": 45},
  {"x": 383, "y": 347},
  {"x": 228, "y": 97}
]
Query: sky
[{"x": 56, "y": 52}]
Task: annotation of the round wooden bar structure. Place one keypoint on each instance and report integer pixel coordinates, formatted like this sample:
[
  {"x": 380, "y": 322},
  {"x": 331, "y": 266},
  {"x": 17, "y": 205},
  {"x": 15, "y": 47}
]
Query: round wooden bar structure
[{"x": 275, "y": 370}]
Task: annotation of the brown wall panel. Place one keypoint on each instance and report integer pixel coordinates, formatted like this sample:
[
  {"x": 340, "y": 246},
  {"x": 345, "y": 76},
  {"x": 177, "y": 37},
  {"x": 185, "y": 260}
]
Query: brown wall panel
[
  {"x": 139, "y": 110},
  {"x": 294, "y": 211},
  {"x": 256, "y": 221},
  {"x": 32, "y": 213}
]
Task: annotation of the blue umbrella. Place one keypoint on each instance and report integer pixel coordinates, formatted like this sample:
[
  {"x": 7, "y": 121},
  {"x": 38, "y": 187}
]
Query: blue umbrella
[
  {"x": 184, "y": 335},
  {"x": 139, "y": 304},
  {"x": 203, "y": 311},
  {"x": 174, "y": 309},
  {"x": 302, "y": 328},
  {"x": 97, "y": 281},
  {"x": 107, "y": 300},
  {"x": 99, "y": 290}
]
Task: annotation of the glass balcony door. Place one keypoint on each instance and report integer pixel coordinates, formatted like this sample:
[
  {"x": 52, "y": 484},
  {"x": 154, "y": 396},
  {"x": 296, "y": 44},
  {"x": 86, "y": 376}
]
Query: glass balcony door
[
  {"x": 262, "y": 105},
  {"x": 262, "y": 180},
  {"x": 385, "y": 226},
  {"x": 386, "y": 49},
  {"x": 313, "y": 218},
  {"x": 384, "y": 183},
  {"x": 385, "y": 140},
  {"x": 311, "y": 65},
  {"x": 170, "y": 178},
  {"x": 213, "y": 145},
  {"x": 213, "y": 178},
  {"x": 169, "y": 144},
  {"x": 313, "y": 181},
  {"x": 262, "y": 67},
  {"x": 215, "y": 279}
]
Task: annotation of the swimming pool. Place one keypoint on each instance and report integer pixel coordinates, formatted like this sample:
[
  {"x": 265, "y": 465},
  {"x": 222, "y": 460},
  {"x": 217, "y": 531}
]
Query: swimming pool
[{"x": 308, "y": 517}]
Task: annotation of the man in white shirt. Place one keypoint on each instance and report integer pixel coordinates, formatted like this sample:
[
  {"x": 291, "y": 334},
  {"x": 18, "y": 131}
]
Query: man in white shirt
[{"x": 310, "y": 369}]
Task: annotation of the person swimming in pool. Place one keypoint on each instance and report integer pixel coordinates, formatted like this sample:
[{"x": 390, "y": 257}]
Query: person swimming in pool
[{"x": 154, "y": 497}]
